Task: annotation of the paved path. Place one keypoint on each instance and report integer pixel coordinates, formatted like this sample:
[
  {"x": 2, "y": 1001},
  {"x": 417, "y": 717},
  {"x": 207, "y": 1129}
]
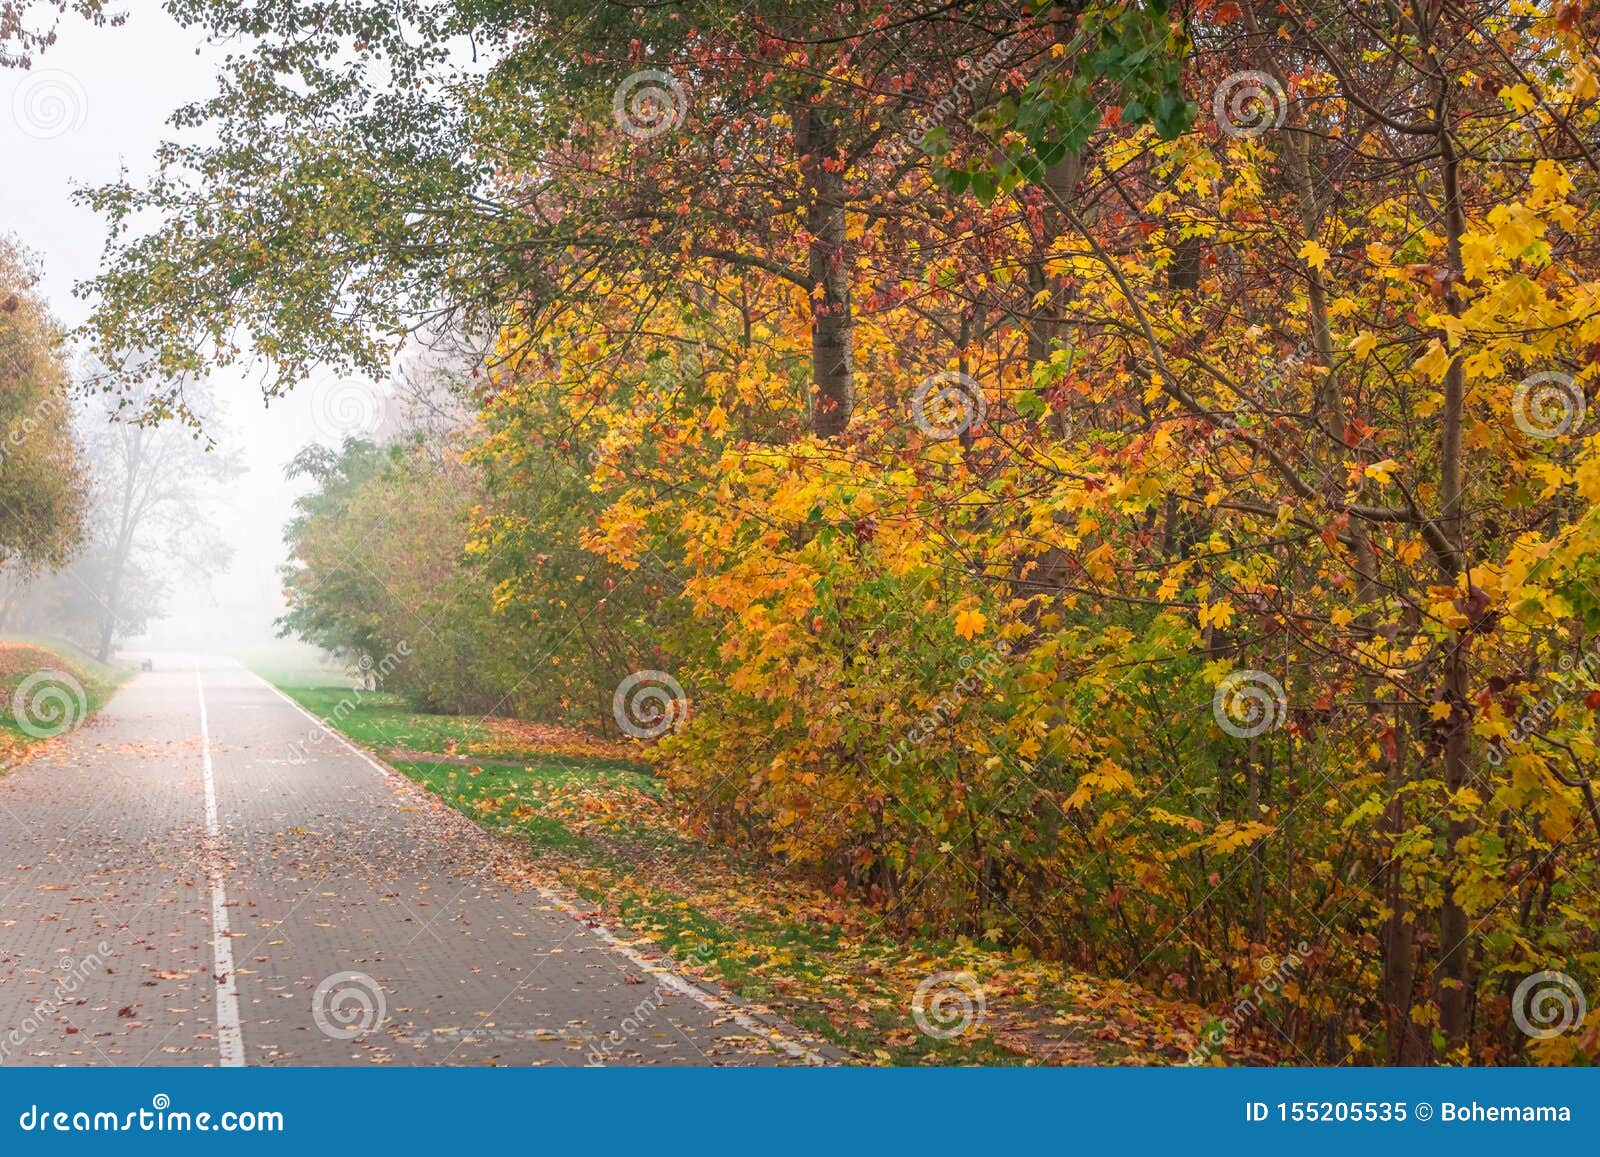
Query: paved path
[{"x": 204, "y": 875}]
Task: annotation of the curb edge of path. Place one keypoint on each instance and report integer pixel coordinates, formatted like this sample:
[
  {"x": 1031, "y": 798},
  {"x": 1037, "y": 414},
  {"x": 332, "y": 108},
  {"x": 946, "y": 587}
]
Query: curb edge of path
[{"x": 776, "y": 1032}]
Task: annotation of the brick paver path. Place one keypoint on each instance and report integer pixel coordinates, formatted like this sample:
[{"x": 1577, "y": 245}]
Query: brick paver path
[{"x": 115, "y": 888}]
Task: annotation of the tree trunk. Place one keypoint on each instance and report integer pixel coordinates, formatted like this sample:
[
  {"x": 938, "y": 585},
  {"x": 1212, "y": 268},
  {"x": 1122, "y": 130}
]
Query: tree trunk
[
  {"x": 119, "y": 562},
  {"x": 1399, "y": 933},
  {"x": 1454, "y": 961},
  {"x": 1044, "y": 327},
  {"x": 832, "y": 323},
  {"x": 108, "y": 621}
]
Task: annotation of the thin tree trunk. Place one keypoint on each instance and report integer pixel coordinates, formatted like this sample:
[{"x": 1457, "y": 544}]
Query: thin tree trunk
[
  {"x": 1399, "y": 933},
  {"x": 832, "y": 322},
  {"x": 1044, "y": 325},
  {"x": 119, "y": 561},
  {"x": 1454, "y": 962}
]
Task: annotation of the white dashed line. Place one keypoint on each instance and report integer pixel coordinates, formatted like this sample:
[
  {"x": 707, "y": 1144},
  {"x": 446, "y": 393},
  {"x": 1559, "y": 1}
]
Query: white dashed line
[{"x": 230, "y": 1036}]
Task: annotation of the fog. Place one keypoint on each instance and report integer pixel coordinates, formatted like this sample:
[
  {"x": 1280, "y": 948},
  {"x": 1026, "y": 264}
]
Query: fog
[{"x": 96, "y": 103}]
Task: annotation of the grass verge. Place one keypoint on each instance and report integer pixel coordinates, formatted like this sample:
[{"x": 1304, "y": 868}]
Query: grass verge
[
  {"x": 597, "y": 824},
  {"x": 47, "y": 688}
]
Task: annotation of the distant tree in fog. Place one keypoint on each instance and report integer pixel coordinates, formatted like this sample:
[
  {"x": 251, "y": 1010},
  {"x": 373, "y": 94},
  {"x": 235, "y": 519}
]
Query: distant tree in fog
[
  {"x": 155, "y": 485},
  {"x": 150, "y": 517}
]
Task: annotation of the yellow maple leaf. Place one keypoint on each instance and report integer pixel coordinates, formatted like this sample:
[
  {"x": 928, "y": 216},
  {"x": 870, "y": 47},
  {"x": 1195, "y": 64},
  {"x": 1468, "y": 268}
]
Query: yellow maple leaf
[
  {"x": 1550, "y": 180},
  {"x": 1434, "y": 363},
  {"x": 970, "y": 624},
  {"x": 1231, "y": 834},
  {"x": 1380, "y": 472},
  {"x": 1479, "y": 254},
  {"x": 1519, "y": 97},
  {"x": 1315, "y": 255}
]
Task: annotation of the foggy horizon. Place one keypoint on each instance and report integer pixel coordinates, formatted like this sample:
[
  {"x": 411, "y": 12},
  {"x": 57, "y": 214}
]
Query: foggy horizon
[{"x": 99, "y": 101}]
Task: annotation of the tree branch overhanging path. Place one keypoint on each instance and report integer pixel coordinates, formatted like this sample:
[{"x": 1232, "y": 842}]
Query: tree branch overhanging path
[{"x": 1113, "y": 481}]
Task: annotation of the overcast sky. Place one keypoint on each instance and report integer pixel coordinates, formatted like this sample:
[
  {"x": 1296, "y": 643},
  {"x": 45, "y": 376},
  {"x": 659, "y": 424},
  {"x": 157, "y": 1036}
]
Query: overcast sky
[{"x": 96, "y": 102}]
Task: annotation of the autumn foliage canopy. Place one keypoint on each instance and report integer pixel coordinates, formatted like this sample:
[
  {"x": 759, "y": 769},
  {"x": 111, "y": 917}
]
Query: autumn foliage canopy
[{"x": 1113, "y": 481}]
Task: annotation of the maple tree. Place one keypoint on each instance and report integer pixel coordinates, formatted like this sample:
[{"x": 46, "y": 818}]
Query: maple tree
[
  {"x": 41, "y": 479},
  {"x": 1112, "y": 480}
]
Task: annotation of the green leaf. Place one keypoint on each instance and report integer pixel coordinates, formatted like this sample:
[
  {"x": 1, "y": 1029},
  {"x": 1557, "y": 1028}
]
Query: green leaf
[{"x": 1030, "y": 405}]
